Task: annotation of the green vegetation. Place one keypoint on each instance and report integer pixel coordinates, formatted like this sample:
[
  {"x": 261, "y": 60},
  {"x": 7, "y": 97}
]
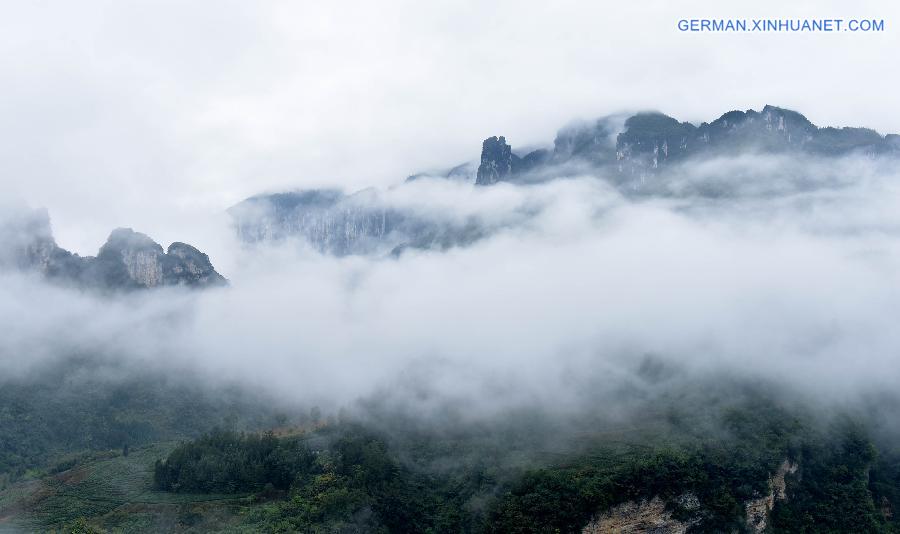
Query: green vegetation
[
  {"x": 340, "y": 477},
  {"x": 723, "y": 473},
  {"x": 525, "y": 471},
  {"x": 59, "y": 414},
  {"x": 354, "y": 479},
  {"x": 112, "y": 493},
  {"x": 228, "y": 462},
  {"x": 833, "y": 493}
]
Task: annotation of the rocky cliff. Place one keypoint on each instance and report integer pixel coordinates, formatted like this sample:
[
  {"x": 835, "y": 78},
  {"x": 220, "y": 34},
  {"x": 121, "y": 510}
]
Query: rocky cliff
[
  {"x": 128, "y": 259},
  {"x": 651, "y": 516},
  {"x": 655, "y": 516},
  {"x": 649, "y": 142},
  {"x": 496, "y": 161},
  {"x": 634, "y": 153},
  {"x": 758, "y": 509},
  {"x": 339, "y": 224}
]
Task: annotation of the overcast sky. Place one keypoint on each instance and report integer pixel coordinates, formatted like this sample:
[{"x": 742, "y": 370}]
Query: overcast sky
[{"x": 159, "y": 115}]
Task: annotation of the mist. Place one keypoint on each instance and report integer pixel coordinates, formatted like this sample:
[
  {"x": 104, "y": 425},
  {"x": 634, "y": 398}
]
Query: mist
[
  {"x": 335, "y": 267},
  {"x": 160, "y": 116},
  {"x": 774, "y": 269}
]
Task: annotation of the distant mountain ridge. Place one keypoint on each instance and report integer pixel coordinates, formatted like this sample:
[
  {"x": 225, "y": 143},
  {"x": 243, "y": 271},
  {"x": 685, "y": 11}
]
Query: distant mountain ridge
[
  {"x": 651, "y": 141},
  {"x": 633, "y": 153},
  {"x": 128, "y": 260}
]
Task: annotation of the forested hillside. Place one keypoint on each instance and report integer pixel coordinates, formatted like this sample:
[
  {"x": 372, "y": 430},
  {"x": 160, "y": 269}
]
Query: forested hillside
[{"x": 706, "y": 457}]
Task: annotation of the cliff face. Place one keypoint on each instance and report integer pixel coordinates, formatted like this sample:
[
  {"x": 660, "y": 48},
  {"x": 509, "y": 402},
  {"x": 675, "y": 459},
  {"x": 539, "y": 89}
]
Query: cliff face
[
  {"x": 185, "y": 265},
  {"x": 345, "y": 224},
  {"x": 632, "y": 153},
  {"x": 496, "y": 161},
  {"x": 653, "y": 140},
  {"x": 128, "y": 259},
  {"x": 758, "y": 509},
  {"x": 642, "y": 517},
  {"x": 132, "y": 259},
  {"x": 654, "y": 516},
  {"x": 649, "y": 142}
]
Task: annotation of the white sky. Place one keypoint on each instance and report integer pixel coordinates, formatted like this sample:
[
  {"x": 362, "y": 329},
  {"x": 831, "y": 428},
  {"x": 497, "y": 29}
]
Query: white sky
[{"x": 159, "y": 115}]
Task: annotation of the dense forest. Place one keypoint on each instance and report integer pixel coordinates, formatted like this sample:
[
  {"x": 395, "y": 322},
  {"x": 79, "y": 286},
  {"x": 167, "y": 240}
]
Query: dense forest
[
  {"x": 229, "y": 461},
  {"x": 350, "y": 476}
]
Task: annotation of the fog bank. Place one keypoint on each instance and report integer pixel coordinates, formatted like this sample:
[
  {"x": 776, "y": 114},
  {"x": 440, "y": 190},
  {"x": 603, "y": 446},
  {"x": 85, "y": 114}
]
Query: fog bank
[{"x": 790, "y": 275}]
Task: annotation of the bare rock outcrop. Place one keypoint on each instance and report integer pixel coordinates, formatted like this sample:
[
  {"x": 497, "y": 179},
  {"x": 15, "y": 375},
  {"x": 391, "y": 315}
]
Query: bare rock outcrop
[
  {"x": 758, "y": 509},
  {"x": 646, "y": 516},
  {"x": 128, "y": 260}
]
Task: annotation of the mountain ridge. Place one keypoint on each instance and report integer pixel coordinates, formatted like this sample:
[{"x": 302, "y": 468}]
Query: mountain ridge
[
  {"x": 128, "y": 260},
  {"x": 633, "y": 153},
  {"x": 652, "y": 140}
]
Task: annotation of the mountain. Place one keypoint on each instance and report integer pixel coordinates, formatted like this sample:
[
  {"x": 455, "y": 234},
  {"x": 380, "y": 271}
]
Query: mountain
[
  {"x": 625, "y": 150},
  {"x": 649, "y": 142},
  {"x": 334, "y": 223},
  {"x": 128, "y": 260}
]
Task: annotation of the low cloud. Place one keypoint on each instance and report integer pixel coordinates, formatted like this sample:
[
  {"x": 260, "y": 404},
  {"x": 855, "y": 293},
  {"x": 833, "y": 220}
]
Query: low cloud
[{"x": 788, "y": 273}]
